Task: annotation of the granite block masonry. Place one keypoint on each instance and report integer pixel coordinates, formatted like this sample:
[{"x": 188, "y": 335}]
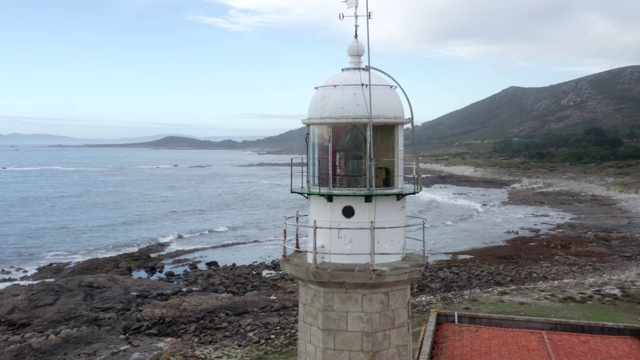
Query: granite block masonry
[{"x": 351, "y": 312}]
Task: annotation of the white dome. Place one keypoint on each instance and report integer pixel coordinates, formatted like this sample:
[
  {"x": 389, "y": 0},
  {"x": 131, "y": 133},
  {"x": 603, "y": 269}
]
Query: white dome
[{"x": 345, "y": 96}]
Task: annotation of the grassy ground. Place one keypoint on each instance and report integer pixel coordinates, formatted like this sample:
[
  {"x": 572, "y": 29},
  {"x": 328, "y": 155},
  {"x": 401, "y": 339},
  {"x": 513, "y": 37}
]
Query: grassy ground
[
  {"x": 286, "y": 354},
  {"x": 605, "y": 300}
]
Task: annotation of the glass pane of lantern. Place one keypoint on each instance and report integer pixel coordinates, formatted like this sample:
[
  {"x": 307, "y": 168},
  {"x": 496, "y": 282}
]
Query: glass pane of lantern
[
  {"x": 319, "y": 156},
  {"x": 384, "y": 155},
  {"x": 349, "y": 156}
]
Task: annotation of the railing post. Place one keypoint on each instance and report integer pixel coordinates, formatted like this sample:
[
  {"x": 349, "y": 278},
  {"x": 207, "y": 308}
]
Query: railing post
[
  {"x": 372, "y": 247},
  {"x": 302, "y": 173},
  {"x": 297, "y": 231},
  {"x": 314, "y": 263},
  {"x": 424, "y": 244},
  {"x": 291, "y": 176},
  {"x": 284, "y": 240}
]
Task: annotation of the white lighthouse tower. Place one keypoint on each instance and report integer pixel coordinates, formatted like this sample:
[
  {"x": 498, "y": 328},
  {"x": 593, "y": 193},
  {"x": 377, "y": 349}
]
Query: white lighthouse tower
[{"x": 356, "y": 267}]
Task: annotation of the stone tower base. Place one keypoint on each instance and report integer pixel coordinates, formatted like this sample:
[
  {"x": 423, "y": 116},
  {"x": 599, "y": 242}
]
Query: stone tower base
[{"x": 349, "y": 312}]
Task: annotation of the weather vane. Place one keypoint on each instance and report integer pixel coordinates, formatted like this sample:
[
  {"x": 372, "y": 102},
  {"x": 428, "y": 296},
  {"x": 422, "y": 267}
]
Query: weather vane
[{"x": 354, "y": 4}]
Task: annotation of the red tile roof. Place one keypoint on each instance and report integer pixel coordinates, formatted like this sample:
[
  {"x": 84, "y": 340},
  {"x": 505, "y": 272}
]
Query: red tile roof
[{"x": 460, "y": 341}]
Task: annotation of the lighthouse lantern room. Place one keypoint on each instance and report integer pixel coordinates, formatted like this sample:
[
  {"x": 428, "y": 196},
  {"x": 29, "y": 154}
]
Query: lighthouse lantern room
[{"x": 354, "y": 175}]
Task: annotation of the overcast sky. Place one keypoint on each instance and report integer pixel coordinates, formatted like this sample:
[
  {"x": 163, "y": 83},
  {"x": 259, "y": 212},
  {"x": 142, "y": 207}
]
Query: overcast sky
[{"x": 122, "y": 68}]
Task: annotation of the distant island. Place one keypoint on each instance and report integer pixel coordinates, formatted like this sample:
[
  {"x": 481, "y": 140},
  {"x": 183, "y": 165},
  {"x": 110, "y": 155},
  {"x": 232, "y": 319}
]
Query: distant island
[{"x": 290, "y": 142}]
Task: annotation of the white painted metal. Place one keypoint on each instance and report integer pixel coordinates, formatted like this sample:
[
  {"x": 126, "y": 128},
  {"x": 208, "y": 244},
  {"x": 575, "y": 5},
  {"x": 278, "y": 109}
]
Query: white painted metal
[
  {"x": 345, "y": 96},
  {"x": 355, "y": 52},
  {"x": 342, "y": 240}
]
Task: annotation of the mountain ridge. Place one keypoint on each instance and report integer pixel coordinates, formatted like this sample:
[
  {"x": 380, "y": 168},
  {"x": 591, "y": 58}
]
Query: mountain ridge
[{"x": 609, "y": 99}]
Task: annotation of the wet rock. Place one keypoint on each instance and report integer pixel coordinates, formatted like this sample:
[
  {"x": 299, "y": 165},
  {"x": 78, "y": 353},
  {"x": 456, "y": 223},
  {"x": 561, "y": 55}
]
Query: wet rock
[
  {"x": 122, "y": 315},
  {"x": 212, "y": 264}
]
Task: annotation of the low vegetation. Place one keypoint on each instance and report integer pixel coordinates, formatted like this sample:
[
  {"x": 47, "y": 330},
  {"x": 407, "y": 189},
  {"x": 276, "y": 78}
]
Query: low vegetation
[
  {"x": 615, "y": 303},
  {"x": 593, "y": 145},
  {"x": 607, "y": 154}
]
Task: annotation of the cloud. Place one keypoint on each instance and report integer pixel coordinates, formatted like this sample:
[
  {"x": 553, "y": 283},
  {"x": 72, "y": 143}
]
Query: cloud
[
  {"x": 545, "y": 32},
  {"x": 245, "y": 15},
  {"x": 563, "y": 33},
  {"x": 237, "y": 20}
]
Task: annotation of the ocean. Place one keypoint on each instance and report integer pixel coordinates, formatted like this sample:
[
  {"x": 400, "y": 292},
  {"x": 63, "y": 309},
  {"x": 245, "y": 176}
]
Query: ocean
[{"x": 63, "y": 204}]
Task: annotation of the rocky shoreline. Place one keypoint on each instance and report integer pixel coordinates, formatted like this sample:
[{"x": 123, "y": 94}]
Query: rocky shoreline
[{"x": 97, "y": 310}]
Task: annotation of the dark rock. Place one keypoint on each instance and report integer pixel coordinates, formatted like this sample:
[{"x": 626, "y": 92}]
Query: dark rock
[{"x": 212, "y": 264}]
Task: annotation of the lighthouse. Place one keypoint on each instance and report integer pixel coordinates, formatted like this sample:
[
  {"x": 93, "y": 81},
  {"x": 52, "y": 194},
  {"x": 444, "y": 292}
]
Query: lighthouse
[{"x": 354, "y": 253}]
